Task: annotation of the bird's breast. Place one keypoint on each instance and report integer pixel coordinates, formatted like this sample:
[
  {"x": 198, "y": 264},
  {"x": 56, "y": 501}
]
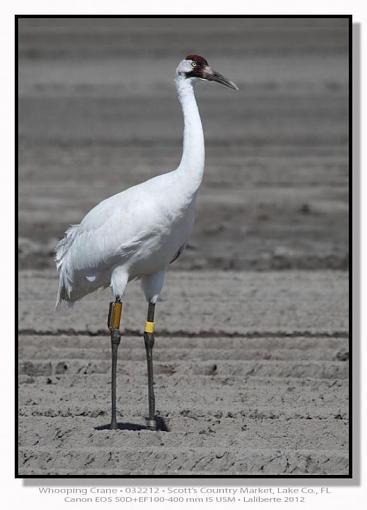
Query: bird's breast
[{"x": 165, "y": 235}]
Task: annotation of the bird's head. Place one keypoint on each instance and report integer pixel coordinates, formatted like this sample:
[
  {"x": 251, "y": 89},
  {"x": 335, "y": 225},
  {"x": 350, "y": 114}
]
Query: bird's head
[{"x": 197, "y": 67}]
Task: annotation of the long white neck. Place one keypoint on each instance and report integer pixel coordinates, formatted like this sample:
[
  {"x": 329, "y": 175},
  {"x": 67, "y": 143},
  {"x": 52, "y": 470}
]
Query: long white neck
[{"x": 193, "y": 153}]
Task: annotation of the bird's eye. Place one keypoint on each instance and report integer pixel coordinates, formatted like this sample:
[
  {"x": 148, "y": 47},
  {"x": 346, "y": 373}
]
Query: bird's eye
[{"x": 193, "y": 64}]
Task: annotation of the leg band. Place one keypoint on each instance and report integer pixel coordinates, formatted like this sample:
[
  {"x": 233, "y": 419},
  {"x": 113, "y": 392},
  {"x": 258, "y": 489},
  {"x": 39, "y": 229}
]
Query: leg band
[
  {"x": 149, "y": 327},
  {"x": 114, "y": 316}
]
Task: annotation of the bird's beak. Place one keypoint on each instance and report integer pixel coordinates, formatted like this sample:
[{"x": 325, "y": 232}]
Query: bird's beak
[{"x": 211, "y": 75}]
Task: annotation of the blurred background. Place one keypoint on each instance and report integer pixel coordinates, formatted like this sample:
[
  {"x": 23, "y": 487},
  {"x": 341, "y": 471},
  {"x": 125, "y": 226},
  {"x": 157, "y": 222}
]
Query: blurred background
[{"x": 98, "y": 113}]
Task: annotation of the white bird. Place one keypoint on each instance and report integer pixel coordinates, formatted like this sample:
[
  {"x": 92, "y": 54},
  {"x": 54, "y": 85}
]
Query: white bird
[{"x": 140, "y": 231}]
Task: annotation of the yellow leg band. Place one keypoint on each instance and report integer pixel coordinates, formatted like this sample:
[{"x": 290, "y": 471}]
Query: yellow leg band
[
  {"x": 149, "y": 327},
  {"x": 115, "y": 315}
]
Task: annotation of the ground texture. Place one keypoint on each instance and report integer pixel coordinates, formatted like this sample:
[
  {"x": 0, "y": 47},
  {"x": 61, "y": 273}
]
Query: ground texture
[{"x": 233, "y": 397}]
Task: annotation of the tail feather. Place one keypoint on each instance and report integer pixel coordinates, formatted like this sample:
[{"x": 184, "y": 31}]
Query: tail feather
[{"x": 62, "y": 260}]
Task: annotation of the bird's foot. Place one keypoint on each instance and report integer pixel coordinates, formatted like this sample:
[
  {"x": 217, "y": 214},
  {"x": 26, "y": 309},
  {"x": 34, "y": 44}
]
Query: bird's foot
[
  {"x": 151, "y": 423},
  {"x": 113, "y": 426}
]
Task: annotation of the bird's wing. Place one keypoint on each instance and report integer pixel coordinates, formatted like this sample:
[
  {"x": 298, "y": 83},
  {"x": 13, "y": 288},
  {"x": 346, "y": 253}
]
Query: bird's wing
[
  {"x": 103, "y": 235},
  {"x": 110, "y": 234},
  {"x": 107, "y": 235},
  {"x": 114, "y": 229}
]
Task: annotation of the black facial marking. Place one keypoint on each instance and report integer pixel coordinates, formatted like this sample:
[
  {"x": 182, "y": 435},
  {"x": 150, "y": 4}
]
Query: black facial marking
[{"x": 197, "y": 70}]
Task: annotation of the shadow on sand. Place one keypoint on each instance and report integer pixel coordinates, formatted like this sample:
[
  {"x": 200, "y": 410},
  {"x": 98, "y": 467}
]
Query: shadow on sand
[{"x": 161, "y": 426}]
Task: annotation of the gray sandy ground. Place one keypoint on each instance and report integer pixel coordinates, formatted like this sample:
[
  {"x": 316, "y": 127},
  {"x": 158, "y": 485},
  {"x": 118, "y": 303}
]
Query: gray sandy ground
[
  {"x": 236, "y": 398},
  {"x": 252, "y": 331}
]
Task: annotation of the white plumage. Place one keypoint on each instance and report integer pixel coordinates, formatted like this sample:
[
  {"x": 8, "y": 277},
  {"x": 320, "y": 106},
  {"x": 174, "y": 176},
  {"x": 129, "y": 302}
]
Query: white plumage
[{"x": 138, "y": 232}]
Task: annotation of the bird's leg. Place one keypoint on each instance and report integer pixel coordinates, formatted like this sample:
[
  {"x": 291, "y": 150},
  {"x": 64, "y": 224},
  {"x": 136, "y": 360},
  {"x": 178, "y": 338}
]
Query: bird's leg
[
  {"x": 114, "y": 318},
  {"x": 149, "y": 342}
]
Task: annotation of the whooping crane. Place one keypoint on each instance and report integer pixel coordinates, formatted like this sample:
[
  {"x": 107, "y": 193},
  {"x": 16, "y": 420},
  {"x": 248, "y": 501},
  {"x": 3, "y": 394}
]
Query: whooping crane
[{"x": 140, "y": 231}]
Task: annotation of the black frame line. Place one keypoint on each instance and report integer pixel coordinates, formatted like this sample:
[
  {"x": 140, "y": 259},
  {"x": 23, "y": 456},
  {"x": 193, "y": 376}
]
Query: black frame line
[{"x": 350, "y": 238}]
